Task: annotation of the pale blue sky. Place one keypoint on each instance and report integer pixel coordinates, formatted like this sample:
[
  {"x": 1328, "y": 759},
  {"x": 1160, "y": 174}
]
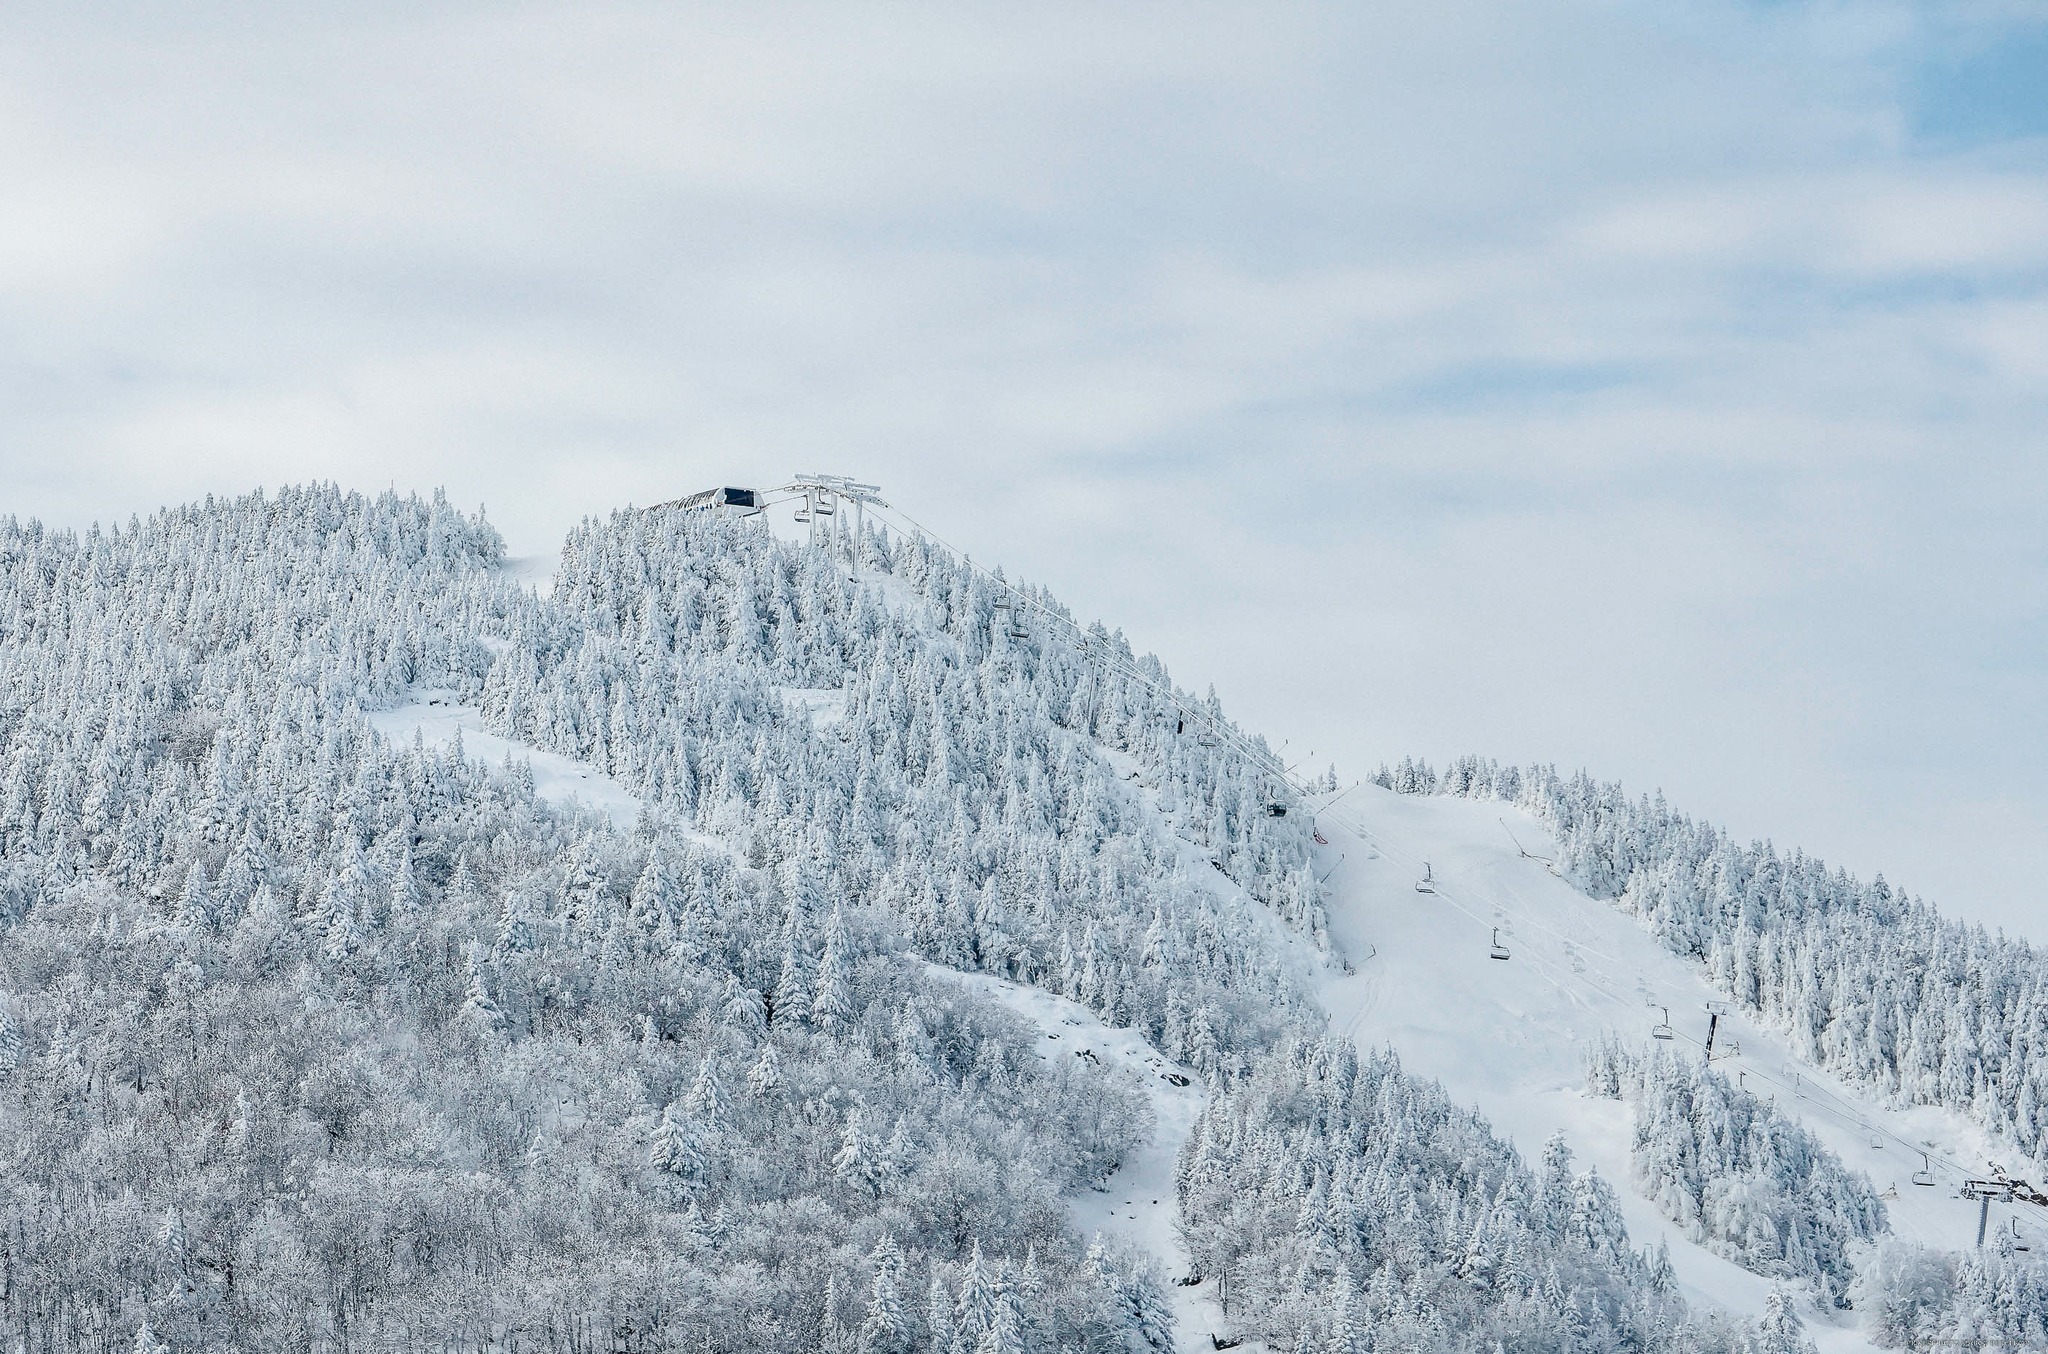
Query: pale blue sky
[{"x": 1657, "y": 387}]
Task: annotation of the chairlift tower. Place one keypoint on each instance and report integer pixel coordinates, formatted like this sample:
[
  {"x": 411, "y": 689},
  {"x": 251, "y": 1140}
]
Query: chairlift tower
[
  {"x": 1715, "y": 1010},
  {"x": 824, "y": 496},
  {"x": 1986, "y": 1193}
]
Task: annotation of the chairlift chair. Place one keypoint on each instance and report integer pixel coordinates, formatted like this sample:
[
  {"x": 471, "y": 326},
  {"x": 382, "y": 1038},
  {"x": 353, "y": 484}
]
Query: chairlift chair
[
  {"x": 1275, "y": 809},
  {"x": 2018, "y": 1237},
  {"x": 1499, "y": 951},
  {"x": 1425, "y": 884},
  {"x": 1011, "y": 623},
  {"x": 1876, "y": 1141},
  {"x": 1662, "y": 1029},
  {"x": 1925, "y": 1175}
]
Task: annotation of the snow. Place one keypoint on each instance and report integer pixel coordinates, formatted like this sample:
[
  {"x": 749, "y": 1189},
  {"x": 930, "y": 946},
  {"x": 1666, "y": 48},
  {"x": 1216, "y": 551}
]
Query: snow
[
  {"x": 1503, "y": 1037},
  {"x": 1507, "y": 1037},
  {"x": 824, "y": 706},
  {"x": 1136, "y": 1203},
  {"x": 534, "y": 571},
  {"x": 437, "y": 716}
]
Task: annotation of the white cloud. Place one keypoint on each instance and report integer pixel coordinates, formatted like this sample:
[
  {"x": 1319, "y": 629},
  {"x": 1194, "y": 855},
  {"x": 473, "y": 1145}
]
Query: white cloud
[{"x": 1615, "y": 383}]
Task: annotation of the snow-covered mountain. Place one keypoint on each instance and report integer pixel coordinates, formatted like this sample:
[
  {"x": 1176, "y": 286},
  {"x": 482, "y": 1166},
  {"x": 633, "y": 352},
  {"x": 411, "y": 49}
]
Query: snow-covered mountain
[{"x": 723, "y": 943}]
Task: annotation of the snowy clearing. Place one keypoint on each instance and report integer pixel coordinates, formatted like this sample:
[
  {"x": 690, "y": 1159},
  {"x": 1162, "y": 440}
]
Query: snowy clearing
[
  {"x": 534, "y": 571},
  {"x": 1137, "y": 1203},
  {"x": 823, "y": 706},
  {"x": 437, "y": 717}
]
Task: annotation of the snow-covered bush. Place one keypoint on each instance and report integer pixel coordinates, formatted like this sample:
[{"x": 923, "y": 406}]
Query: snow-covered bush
[{"x": 1987, "y": 1299}]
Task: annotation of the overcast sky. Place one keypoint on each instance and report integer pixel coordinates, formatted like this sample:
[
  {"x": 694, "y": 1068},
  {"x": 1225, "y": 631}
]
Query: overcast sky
[{"x": 1655, "y": 387}]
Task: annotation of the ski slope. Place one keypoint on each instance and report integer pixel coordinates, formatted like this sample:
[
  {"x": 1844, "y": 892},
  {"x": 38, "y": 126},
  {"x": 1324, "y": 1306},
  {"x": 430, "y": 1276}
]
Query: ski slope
[
  {"x": 1137, "y": 1203},
  {"x": 1506, "y": 1036}
]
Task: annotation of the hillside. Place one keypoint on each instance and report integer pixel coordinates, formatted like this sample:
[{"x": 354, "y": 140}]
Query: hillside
[
  {"x": 725, "y": 943},
  {"x": 1513, "y": 1037}
]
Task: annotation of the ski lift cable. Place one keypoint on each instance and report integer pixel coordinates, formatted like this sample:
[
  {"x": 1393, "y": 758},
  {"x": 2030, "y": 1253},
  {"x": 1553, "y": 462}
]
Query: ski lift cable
[
  {"x": 1437, "y": 885},
  {"x": 1538, "y": 960},
  {"x": 1411, "y": 860},
  {"x": 1330, "y": 804},
  {"x": 1571, "y": 943},
  {"x": 1521, "y": 850}
]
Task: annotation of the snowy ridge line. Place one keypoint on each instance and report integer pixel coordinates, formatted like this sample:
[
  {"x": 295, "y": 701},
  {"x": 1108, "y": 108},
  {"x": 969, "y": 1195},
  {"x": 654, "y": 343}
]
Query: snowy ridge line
[
  {"x": 1222, "y": 730},
  {"x": 1843, "y": 1111}
]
